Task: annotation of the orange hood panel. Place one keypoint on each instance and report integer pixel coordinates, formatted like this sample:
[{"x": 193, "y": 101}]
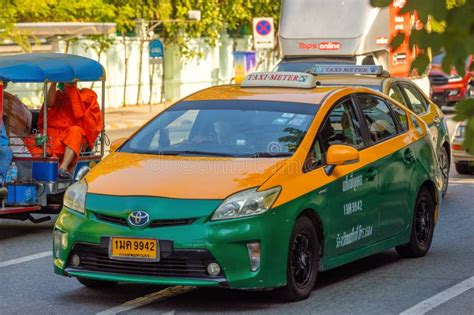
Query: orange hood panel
[{"x": 127, "y": 174}]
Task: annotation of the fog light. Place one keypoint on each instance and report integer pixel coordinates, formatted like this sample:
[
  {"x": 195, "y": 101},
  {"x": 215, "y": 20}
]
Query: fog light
[
  {"x": 213, "y": 269},
  {"x": 254, "y": 255},
  {"x": 75, "y": 260},
  {"x": 57, "y": 242}
]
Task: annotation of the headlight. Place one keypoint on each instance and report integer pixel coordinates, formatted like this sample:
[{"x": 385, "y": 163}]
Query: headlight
[
  {"x": 75, "y": 196},
  {"x": 246, "y": 203}
]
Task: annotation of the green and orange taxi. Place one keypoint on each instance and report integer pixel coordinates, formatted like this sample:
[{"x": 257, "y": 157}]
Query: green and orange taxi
[{"x": 257, "y": 186}]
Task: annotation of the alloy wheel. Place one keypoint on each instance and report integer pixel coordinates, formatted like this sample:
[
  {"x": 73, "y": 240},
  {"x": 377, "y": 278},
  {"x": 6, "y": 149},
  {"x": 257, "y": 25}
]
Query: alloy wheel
[
  {"x": 301, "y": 260},
  {"x": 422, "y": 223}
]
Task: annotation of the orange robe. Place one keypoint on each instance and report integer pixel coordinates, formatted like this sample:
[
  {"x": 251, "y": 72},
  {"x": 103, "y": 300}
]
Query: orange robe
[{"x": 75, "y": 120}]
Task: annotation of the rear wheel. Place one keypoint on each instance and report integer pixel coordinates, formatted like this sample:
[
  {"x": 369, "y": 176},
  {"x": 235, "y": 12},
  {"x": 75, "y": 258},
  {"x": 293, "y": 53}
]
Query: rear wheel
[
  {"x": 444, "y": 164},
  {"x": 303, "y": 260},
  {"x": 422, "y": 227},
  {"x": 462, "y": 168},
  {"x": 91, "y": 283}
]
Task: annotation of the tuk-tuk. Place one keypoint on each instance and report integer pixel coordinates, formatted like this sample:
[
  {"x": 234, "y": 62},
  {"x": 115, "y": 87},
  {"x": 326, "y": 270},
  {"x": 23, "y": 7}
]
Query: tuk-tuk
[{"x": 38, "y": 189}]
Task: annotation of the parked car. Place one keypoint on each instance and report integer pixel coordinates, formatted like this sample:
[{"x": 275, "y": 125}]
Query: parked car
[
  {"x": 258, "y": 186},
  {"x": 463, "y": 160},
  {"x": 447, "y": 89}
]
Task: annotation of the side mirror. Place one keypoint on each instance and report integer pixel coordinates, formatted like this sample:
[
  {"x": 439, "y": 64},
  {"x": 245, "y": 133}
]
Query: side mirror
[
  {"x": 339, "y": 154},
  {"x": 116, "y": 144}
]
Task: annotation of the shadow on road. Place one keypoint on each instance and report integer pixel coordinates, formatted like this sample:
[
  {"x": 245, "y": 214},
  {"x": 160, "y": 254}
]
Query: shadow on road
[{"x": 209, "y": 300}]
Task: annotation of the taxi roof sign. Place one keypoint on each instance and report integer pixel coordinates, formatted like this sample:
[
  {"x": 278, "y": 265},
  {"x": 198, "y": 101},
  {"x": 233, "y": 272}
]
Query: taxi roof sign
[
  {"x": 300, "y": 80},
  {"x": 347, "y": 69}
]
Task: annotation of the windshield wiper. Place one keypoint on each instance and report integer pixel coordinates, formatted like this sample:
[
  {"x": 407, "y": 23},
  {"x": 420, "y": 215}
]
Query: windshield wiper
[
  {"x": 193, "y": 152},
  {"x": 268, "y": 154}
]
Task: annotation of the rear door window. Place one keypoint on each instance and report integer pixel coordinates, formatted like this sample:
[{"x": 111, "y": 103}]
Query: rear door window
[
  {"x": 401, "y": 116},
  {"x": 378, "y": 116}
]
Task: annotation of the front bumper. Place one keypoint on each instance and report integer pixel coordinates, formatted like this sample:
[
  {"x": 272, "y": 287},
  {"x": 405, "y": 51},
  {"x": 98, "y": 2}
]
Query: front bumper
[
  {"x": 224, "y": 241},
  {"x": 453, "y": 91}
]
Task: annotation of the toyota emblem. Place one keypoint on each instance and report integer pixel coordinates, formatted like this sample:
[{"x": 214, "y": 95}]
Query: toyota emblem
[{"x": 138, "y": 218}]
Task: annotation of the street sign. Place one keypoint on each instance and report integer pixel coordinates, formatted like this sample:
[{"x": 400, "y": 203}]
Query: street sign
[
  {"x": 156, "y": 48},
  {"x": 263, "y": 33}
]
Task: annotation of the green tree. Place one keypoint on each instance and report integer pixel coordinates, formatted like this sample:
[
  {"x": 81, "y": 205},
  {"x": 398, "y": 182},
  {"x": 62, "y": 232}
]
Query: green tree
[
  {"x": 7, "y": 26},
  {"x": 63, "y": 11},
  {"x": 449, "y": 27}
]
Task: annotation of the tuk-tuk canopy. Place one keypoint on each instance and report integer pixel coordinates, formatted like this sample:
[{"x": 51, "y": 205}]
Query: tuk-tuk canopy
[{"x": 50, "y": 67}]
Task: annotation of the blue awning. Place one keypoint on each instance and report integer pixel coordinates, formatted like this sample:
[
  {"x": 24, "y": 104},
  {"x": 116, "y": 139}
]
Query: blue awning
[{"x": 49, "y": 67}]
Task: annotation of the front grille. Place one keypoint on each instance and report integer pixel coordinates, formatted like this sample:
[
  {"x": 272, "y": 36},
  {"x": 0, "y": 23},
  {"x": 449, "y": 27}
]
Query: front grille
[
  {"x": 438, "y": 79},
  {"x": 111, "y": 219},
  {"x": 177, "y": 263},
  {"x": 171, "y": 222},
  {"x": 153, "y": 224}
]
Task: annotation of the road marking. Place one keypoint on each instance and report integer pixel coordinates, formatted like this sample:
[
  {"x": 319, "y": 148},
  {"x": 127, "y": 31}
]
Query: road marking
[
  {"x": 25, "y": 259},
  {"x": 440, "y": 298},
  {"x": 148, "y": 299}
]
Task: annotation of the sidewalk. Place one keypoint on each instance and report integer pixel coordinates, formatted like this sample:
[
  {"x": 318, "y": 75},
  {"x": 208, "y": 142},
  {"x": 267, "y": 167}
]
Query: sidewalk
[{"x": 130, "y": 117}]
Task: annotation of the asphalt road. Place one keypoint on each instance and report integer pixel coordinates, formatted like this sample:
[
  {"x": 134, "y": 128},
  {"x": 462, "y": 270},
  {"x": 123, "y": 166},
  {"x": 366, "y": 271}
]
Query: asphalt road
[{"x": 380, "y": 284}]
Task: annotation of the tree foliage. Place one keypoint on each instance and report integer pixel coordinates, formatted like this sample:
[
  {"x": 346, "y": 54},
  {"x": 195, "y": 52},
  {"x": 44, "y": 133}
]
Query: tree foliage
[
  {"x": 449, "y": 27},
  {"x": 217, "y": 16}
]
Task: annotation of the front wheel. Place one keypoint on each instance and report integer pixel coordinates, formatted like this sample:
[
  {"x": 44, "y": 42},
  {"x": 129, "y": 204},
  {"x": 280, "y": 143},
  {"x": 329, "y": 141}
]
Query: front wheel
[
  {"x": 96, "y": 284},
  {"x": 422, "y": 227},
  {"x": 303, "y": 260}
]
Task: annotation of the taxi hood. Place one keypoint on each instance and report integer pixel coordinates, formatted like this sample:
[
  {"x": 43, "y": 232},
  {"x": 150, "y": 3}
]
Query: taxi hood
[{"x": 128, "y": 174}]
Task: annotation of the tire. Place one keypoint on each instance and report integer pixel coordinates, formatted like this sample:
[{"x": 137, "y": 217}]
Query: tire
[
  {"x": 444, "y": 164},
  {"x": 96, "y": 284},
  {"x": 462, "y": 168},
  {"x": 303, "y": 262},
  {"x": 422, "y": 227}
]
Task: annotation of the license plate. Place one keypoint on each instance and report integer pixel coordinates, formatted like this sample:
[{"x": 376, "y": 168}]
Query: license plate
[{"x": 138, "y": 249}]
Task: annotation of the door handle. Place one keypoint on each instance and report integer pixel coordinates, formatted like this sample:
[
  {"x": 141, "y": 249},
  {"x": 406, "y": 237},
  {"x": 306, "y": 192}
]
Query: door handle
[
  {"x": 323, "y": 191},
  {"x": 371, "y": 173},
  {"x": 436, "y": 120},
  {"x": 408, "y": 156}
]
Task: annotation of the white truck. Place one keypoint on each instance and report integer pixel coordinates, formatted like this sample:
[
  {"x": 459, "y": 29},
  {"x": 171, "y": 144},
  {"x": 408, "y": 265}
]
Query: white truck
[{"x": 346, "y": 31}]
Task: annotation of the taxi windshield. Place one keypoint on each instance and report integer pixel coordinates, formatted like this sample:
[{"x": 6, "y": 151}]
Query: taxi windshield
[{"x": 234, "y": 128}]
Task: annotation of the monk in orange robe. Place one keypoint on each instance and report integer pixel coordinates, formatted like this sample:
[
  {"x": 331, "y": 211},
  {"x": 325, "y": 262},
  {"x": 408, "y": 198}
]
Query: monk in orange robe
[{"x": 74, "y": 121}]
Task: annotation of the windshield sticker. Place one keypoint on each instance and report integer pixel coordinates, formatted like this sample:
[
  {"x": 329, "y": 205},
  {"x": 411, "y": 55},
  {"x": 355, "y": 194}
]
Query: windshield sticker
[
  {"x": 352, "y": 207},
  {"x": 280, "y": 121},
  {"x": 297, "y": 122},
  {"x": 356, "y": 234},
  {"x": 351, "y": 182},
  {"x": 287, "y": 115}
]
